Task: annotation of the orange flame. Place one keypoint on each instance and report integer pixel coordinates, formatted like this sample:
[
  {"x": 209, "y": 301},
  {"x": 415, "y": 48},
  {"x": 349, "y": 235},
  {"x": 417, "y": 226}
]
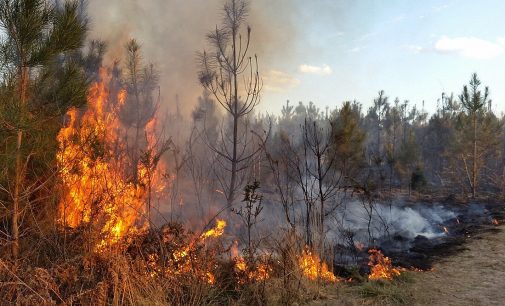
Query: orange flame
[
  {"x": 381, "y": 266},
  {"x": 259, "y": 273},
  {"x": 495, "y": 221},
  {"x": 313, "y": 268},
  {"x": 215, "y": 232},
  {"x": 92, "y": 159}
]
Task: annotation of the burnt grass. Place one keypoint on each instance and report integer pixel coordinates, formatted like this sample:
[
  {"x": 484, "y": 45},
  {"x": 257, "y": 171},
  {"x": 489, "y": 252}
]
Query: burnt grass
[{"x": 473, "y": 219}]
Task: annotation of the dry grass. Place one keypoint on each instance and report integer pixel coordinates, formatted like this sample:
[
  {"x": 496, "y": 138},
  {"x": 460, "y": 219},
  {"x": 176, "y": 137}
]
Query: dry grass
[{"x": 473, "y": 277}]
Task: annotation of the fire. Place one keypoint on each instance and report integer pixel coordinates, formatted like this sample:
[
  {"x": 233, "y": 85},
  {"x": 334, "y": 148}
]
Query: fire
[
  {"x": 183, "y": 260},
  {"x": 261, "y": 272},
  {"x": 313, "y": 268},
  {"x": 446, "y": 230},
  {"x": 92, "y": 159},
  {"x": 215, "y": 232},
  {"x": 495, "y": 221},
  {"x": 381, "y": 266}
]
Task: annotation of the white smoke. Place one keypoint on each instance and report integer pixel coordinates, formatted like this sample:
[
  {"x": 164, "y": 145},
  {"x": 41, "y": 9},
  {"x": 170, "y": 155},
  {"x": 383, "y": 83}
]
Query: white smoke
[{"x": 398, "y": 220}]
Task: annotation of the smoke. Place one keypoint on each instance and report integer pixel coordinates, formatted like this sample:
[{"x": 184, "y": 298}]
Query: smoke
[
  {"x": 393, "y": 220},
  {"x": 172, "y": 31},
  {"x": 394, "y": 227}
]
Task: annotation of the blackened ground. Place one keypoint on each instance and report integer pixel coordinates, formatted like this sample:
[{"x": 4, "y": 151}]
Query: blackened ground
[
  {"x": 472, "y": 220},
  {"x": 472, "y": 276}
]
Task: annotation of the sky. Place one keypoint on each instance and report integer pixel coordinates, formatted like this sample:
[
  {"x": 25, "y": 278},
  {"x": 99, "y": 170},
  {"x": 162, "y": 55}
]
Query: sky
[
  {"x": 413, "y": 50},
  {"x": 324, "y": 51}
]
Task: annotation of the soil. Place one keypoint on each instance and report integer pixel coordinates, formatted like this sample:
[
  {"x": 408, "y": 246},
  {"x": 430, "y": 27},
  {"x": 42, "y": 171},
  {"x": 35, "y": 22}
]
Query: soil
[{"x": 474, "y": 276}]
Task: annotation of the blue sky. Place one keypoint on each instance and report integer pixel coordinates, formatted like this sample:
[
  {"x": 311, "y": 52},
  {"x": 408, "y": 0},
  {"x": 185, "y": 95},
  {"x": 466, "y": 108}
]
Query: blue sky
[{"x": 414, "y": 50}]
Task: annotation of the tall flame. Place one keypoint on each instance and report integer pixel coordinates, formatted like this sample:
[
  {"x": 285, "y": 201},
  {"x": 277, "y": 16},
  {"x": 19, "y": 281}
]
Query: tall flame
[{"x": 92, "y": 159}]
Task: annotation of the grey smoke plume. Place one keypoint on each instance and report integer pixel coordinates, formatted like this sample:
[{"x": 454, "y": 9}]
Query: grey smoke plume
[
  {"x": 399, "y": 219},
  {"x": 172, "y": 31}
]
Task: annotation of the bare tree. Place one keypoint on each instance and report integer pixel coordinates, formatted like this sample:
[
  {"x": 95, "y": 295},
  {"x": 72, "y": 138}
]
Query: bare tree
[{"x": 231, "y": 75}]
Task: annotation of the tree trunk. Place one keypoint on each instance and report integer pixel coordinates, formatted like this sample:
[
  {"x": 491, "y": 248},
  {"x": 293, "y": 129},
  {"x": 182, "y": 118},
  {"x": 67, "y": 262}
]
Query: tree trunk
[
  {"x": 234, "y": 162},
  {"x": 19, "y": 171},
  {"x": 474, "y": 174},
  {"x": 16, "y": 197}
]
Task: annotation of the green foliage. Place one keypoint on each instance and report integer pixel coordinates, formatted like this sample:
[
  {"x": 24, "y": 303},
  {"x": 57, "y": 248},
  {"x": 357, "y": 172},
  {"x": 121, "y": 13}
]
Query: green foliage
[
  {"x": 347, "y": 139},
  {"x": 473, "y": 100},
  {"x": 42, "y": 77}
]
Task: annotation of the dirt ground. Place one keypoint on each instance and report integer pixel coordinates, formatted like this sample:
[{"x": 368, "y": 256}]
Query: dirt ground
[{"x": 474, "y": 276}]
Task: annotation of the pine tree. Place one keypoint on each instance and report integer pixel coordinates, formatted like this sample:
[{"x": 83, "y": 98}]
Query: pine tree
[{"x": 38, "y": 45}]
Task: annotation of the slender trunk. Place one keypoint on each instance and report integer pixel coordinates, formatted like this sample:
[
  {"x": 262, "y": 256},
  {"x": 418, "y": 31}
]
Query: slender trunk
[
  {"x": 19, "y": 171},
  {"x": 322, "y": 199},
  {"x": 474, "y": 174},
  {"x": 369, "y": 225},
  {"x": 16, "y": 200},
  {"x": 308, "y": 241},
  {"x": 249, "y": 244},
  {"x": 234, "y": 162},
  {"x": 137, "y": 126}
]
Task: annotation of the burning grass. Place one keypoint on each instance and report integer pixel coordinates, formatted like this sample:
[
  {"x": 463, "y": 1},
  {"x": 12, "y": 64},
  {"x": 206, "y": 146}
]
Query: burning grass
[
  {"x": 381, "y": 267},
  {"x": 314, "y": 268}
]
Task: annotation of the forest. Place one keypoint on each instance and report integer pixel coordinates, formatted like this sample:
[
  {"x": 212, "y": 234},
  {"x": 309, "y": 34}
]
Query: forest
[{"x": 109, "y": 197}]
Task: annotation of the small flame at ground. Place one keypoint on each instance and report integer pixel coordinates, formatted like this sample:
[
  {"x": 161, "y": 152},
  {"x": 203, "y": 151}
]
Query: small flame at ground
[
  {"x": 313, "y": 268},
  {"x": 495, "y": 221},
  {"x": 261, "y": 272},
  {"x": 182, "y": 259},
  {"x": 381, "y": 267}
]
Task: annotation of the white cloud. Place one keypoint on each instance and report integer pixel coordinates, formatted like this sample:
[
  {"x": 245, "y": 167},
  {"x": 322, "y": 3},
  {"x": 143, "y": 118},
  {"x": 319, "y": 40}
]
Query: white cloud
[
  {"x": 470, "y": 47},
  {"x": 278, "y": 81},
  {"x": 319, "y": 70}
]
